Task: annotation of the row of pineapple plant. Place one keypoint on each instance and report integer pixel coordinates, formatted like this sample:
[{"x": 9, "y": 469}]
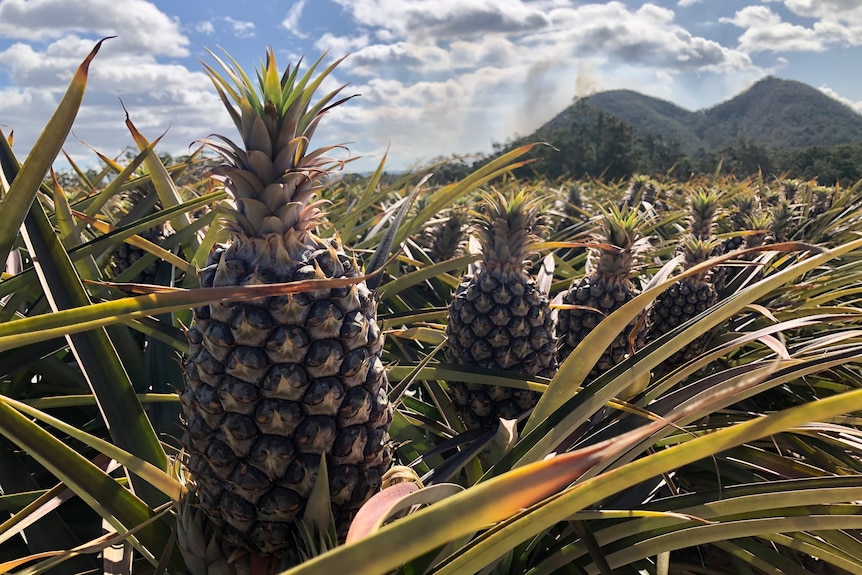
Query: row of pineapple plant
[{"x": 239, "y": 423}]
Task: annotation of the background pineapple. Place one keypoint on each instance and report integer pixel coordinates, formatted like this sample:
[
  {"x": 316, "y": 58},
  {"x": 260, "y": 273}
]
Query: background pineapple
[
  {"x": 139, "y": 203},
  {"x": 274, "y": 384},
  {"x": 499, "y": 318},
  {"x": 446, "y": 238},
  {"x": 685, "y": 299},
  {"x": 606, "y": 288}
]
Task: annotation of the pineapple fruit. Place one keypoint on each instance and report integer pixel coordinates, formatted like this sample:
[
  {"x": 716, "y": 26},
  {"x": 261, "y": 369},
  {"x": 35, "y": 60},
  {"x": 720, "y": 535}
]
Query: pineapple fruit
[
  {"x": 606, "y": 288},
  {"x": 446, "y": 238},
  {"x": 126, "y": 255},
  {"x": 685, "y": 299},
  {"x": 275, "y": 384},
  {"x": 499, "y": 318}
]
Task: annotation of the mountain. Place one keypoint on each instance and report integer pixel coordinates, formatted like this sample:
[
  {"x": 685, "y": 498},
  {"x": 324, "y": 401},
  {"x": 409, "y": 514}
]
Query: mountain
[{"x": 773, "y": 113}]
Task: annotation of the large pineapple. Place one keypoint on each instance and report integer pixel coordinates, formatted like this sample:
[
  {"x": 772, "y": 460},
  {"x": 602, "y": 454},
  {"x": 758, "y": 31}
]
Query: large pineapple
[
  {"x": 606, "y": 288},
  {"x": 500, "y": 318},
  {"x": 275, "y": 383}
]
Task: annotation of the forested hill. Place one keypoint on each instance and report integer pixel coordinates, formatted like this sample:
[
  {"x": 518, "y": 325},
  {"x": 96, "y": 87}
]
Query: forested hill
[
  {"x": 775, "y": 127},
  {"x": 772, "y": 113}
]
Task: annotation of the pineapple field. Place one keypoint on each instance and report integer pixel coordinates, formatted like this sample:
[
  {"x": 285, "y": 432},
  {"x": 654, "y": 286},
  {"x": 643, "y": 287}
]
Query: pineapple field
[{"x": 241, "y": 362}]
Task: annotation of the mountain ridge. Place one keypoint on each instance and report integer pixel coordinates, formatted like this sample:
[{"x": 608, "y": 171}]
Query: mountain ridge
[{"x": 773, "y": 112}]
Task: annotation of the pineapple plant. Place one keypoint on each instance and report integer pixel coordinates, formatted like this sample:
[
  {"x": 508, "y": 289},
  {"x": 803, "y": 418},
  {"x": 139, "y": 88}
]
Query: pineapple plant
[
  {"x": 743, "y": 206},
  {"x": 685, "y": 299},
  {"x": 606, "y": 287},
  {"x": 703, "y": 210},
  {"x": 571, "y": 205},
  {"x": 822, "y": 198},
  {"x": 785, "y": 221},
  {"x": 446, "y": 239},
  {"x": 499, "y": 318},
  {"x": 276, "y": 384},
  {"x": 790, "y": 187},
  {"x": 126, "y": 255},
  {"x": 642, "y": 189}
]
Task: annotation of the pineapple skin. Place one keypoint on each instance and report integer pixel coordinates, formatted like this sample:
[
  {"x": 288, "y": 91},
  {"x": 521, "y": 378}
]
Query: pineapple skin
[
  {"x": 277, "y": 384},
  {"x": 596, "y": 299},
  {"x": 682, "y": 301},
  {"x": 499, "y": 321},
  {"x": 605, "y": 289},
  {"x": 273, "y": 384}
]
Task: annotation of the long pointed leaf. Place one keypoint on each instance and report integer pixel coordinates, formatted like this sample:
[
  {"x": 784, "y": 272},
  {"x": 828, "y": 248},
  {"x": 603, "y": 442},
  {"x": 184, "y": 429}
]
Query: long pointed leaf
[
  {"x": 22, "y": 191},
  {"x": 122, "y": 412},
  {"x": 101, "y": 492}
]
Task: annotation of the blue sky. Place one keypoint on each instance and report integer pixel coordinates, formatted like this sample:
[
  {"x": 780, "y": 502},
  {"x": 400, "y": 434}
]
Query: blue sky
[{"x": 436, "y": 77}]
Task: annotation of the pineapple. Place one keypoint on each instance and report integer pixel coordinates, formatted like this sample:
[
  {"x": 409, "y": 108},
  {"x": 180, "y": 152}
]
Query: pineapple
[
  {"x": 785, "y": 221},
  {"x": 126, "y": 255},
  {"x": 642, "y": 189},
  {"x": 685, "y": 299},
  {"x": 446, "y": 239},
  {"x": 604, "y": 290},
  {"x": 790, "y": 187},
  {"x": 572, "y": 206},
  {"x": 821, "y": 200},
  {"x": 703, "y": 205},
  {"x": 275, "y": 384},
  {"x": 499, "y": 318},
  {"x": 743, "y": 206}
]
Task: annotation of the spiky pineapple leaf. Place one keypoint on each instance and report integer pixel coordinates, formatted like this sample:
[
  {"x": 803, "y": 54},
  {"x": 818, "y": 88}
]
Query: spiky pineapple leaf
[
  {"x": 22, "y": 191},
  {"x": 94, "y": 351},
  {"x": 158, "y": 299},
  {"x": 167, "y": 190},
  {"x": 102, "y": 493},
  {"x": 381, "y": 254},
  {"x": 156, "y": 477},
  {"x": 597, "y": 488}
]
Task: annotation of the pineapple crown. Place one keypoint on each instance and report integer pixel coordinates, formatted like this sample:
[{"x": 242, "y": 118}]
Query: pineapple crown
[
  {"x": 759, "y": 222},
  {"x": 620, "y": 243},
  {"x": 784, "y": 219},
  {"x": 703, "y": 204},
  {"x": 790, "y": 187},
  {"x": 507, "y": 227},
  {"x": 697, "y": 250},
  {"x": 273, "y": 176}
]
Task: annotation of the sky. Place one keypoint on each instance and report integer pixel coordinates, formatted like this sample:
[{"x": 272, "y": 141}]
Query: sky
[{"x": 435, "y": 78}]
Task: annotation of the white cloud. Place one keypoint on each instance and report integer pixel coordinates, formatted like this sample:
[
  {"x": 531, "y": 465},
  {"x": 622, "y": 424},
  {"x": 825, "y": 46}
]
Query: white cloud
[
  {"x": 138, "y": 67},
  {"x": 340, "y": 45},
  {"x": 847, "y": 101},
  {"x": 823, "y": 8},
  {"x": 240, "y": 28},
  {"x": 205, "y": 27},
  {"x": 833, "y": 22},
  {"x": 687, "y": 3},
  {"x": 139, "y": 25},
  {"x": 291, "y": 20},
  {"x": 766, "y": 32},
  {"x": 446, "y": 18}
]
